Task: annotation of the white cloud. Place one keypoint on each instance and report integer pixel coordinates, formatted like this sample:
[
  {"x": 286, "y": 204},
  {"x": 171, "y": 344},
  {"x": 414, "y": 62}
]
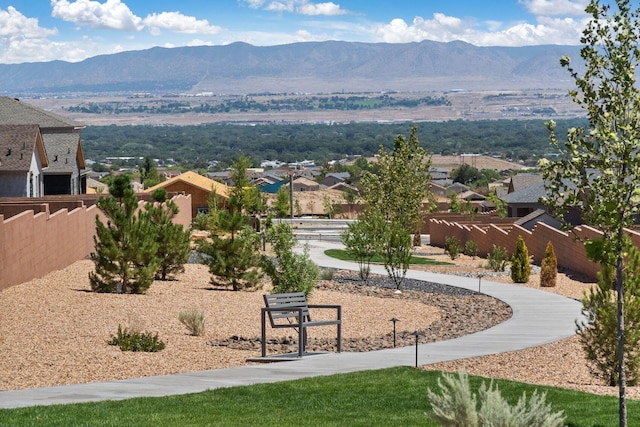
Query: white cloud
[
  {"x": 22, "y": 39},
  {"x": 555, "y": 7},
  {"x": 113, "y": 14},
  {"x": 326, "y": 9},
  {"x": 444, "y": 28},
  {"x": 179, "y": 23},
  {"x": 302, "y": 7}
]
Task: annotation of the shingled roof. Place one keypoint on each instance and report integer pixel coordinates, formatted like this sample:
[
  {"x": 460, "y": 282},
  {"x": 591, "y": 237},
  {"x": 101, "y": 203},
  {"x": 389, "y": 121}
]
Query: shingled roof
[
  {"x": 63, "y": 150},
  {"x": 17, "y": 145},
  {"x": 16, "y": 112}
]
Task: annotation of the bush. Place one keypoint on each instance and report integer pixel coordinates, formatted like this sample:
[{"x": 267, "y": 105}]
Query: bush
[
  {"x": 327, "y": 273},
  {"x": 452, "y": 247},
  {"x": 458, "y": 406},
  {"x": 132, "y": 340},
  {"x": 598, "y": 332},
  {"x": 520, "y": 265},
  {"x": 549, "y": 267},
  {"x": 471, "y": 248},
  {"x": 289, "y": 271},
  {"x": 193, "y": 319},
  {"x": 497, "y": 259},
  {"x": 200, "y": 222}
]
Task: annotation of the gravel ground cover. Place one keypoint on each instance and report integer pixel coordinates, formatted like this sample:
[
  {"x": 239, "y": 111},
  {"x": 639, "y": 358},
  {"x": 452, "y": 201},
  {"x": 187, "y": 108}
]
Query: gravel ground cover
[{"x": 54, "y": 331}]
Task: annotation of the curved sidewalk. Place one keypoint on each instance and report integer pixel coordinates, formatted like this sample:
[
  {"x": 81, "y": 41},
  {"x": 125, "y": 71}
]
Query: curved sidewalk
[{"x": 538, "y": 318}]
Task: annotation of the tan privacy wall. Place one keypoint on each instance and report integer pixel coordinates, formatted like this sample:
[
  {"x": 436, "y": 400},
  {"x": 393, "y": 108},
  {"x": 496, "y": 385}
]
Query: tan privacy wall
[
  {"x": 34, "y": 244},
  {"x": 568, "y": 247}
]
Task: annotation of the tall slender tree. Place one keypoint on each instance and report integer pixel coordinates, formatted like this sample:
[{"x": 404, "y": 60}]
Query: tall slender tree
[
  {"x": 396, "y": 194},
  {"x": 599, "y": 168}
]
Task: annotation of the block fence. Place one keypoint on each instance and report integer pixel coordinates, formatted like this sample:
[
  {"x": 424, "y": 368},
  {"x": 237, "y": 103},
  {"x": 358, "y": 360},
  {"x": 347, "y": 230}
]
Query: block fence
[
  {"x": 35, "y": 244},
  {"x": 569, "y": 250}
]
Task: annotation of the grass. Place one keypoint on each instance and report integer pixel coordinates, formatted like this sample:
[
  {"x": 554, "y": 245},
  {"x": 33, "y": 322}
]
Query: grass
[
  {"x": 387, "y": 397},
  {"x": 345, "y": 255}
]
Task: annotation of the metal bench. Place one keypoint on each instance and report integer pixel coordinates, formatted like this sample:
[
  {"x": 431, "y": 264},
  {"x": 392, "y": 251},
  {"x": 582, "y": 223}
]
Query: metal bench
[{"x": 290, "y": 310}]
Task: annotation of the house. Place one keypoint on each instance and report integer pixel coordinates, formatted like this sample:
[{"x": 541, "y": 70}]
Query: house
[
  {"x": 522, "y": 202},
  {"x": 334, "y": 178},
  {"x": 198, "y": 186},
  {"x": 65, "y": 173},
  {"x": 23, "y": 160},
  {"x": 305, "y": 184}
]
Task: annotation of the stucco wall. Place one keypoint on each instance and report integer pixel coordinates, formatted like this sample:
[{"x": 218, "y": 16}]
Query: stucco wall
[
  {"x": 34, "y": 244},
  {"x": 568, "y": 247}
]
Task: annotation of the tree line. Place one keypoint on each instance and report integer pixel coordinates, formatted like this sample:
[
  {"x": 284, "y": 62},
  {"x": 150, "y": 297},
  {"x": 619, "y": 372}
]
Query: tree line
[{"x": 194, "y": 146}]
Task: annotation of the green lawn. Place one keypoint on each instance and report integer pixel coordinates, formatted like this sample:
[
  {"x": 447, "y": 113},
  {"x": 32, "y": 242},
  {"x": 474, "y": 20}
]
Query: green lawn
[
  {"x": 388, "y": 397},
  {"x": 345, "y": 255}
]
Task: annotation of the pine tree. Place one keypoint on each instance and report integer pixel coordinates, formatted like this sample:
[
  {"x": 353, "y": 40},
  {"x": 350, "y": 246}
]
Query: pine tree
[
  {"x": 232, "y": 252},
  {"x": 520, "y": 266},
  {"x": 174, "y": 242},
  {"x": 549, "y": 267},
  {"x": 125, "y": 254},
  {"x": 598, "y": 333}
]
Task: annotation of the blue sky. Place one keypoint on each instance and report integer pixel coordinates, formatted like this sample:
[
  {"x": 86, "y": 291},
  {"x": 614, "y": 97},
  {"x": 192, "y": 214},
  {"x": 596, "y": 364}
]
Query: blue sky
[{"x": 72, "y": 30}]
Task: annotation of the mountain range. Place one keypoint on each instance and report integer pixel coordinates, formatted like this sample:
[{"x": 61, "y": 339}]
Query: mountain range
[{"x": 312, "y": 67}]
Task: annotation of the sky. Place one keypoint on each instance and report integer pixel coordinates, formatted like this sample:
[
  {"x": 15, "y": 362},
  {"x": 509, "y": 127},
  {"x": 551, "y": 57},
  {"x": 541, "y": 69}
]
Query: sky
[{"x": 47, "y": 30}]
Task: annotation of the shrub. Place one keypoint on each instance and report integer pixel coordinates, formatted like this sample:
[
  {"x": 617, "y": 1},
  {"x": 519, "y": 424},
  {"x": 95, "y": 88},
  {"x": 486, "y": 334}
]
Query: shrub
[
  {"x": 520, "y": 265},
  {"x": 200, "y": 222},
  {"x": 458, "y": 406},
  {"x": 132, "y": 340},
  {"x": 452, "y": 247},
  {"x": 417, "y": 239},
  {"x": 497, "y": 259},
  {"x": 598, "y": 332},
  {"x": 471, "y": 248},
  {"x": 327, "y": 273},
  {"x": 193, "y": 319},
  {"x": 549, "y": 267},
  {"x": 289, "y": 271}
]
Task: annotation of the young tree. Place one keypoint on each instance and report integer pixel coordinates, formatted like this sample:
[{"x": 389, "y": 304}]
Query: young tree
[
  {"x": 599, "y": 166},
  {"x": 549, "y": 267},
  {"x": 281, "y": 206},
  {"x": 598, "y": 333},
  {"x": 125, "y": 254},
  {"x": 362, "y": 239},
  {"x": 174, "y": 242},
  {"x": 329, "y": 207},
  {"x": 232, "y": 249},
  {"x": 289, "y": 271},
  {"x": 520, "y": 266},
  {"x": 396, "y": 194},
  {"x": 149, "y": 175}
]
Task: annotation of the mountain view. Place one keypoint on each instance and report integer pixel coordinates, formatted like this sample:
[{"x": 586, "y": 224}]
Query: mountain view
[{"x": 332, "y": 66}]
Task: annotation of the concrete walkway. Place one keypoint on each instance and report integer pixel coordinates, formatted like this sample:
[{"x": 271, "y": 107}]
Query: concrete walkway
[{"x": 538, "y": 318}]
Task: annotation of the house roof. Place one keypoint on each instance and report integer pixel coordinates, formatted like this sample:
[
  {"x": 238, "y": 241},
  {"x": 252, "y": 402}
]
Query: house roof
[
  {"x": 16, "y": 112},
  {"x": 523, "y": 180},
  {"x": 530, "y": 194},
  {"x": 196, "y": 180},
  {"x": 17, "y": 145},
  {"x": 64, "y": 151},
  {"x": 301, "y": 180}
]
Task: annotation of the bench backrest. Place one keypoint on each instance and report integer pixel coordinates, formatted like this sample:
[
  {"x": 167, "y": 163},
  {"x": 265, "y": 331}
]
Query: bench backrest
[{"x": 280, "y": 306}]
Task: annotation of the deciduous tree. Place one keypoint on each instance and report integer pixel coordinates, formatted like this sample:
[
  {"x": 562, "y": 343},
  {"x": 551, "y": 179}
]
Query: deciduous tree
[
  {"x": 396, "y": 194},
  {"x": 599, "y": 167}
]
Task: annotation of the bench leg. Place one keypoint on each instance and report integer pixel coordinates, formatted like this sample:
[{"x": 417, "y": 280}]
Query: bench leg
[
  {"x": 339, "y": 346},
  {"x": 264, "y": 335},
  {"x": 301, "y": 335}
]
